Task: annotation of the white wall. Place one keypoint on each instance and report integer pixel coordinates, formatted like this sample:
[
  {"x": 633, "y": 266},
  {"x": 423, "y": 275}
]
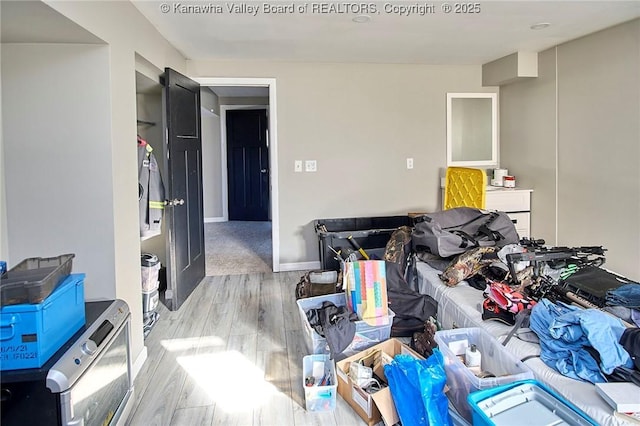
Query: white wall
[
  {"x": 528, "y": 142},
  {"x": 4, "y": 240},
  {"x": 583, "y": 115},
  {"x": 599, "y": 144},
  {"x": 359, "y": 122},
  {"x": 245, "y": 100},
  {"x": 212, "y": 161},
  {"x": 59, "y": 161},
  {"x": 126, "y": 32},
  {"x": 209, "y": 100}
]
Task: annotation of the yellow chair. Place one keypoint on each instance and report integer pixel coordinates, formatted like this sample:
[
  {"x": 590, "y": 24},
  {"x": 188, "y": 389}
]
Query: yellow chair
[{"x": 465, "y": 187}]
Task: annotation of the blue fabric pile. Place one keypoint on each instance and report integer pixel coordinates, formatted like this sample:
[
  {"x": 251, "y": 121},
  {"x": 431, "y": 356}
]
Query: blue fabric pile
[
  {"x": 566, "y": 331},
  {"x": 627, "y": 295}
]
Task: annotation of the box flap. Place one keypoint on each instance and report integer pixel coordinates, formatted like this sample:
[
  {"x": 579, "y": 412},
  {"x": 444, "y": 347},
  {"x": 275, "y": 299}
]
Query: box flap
[{"x": 384, "y": 402}]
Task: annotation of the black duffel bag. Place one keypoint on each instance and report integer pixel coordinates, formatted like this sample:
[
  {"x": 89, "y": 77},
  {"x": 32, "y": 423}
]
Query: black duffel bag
[
  {"x": 454, "y": 231},
  {"x": 411, "y": 308}
]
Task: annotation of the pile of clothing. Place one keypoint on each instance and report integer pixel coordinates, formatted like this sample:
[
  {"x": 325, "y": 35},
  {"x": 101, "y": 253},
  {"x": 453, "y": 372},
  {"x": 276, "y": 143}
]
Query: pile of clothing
[
  {"x": 597, "y": 344},
  {"x": 579, "y": 343},
  {"x": 334, "y": 323},
  {"x": 486, "y": 269}
]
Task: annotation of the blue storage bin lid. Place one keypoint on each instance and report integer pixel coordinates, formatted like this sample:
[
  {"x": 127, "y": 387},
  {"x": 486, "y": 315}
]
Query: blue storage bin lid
[{"x": 522, "y": 400}]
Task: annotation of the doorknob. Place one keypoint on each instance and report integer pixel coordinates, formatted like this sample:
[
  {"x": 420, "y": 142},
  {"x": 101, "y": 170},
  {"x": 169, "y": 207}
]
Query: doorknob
[
  {"x": 174, "y": 202},
  {"x": 263, "y": 171}
]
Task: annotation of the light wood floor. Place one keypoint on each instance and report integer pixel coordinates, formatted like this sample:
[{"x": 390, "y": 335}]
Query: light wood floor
[{"x": 232, "y": 355}]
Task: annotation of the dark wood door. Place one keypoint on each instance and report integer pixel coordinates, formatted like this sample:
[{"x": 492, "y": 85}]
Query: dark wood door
[
  {"x": 184, "y": 224},
  {"x": 248, "y": 164}
]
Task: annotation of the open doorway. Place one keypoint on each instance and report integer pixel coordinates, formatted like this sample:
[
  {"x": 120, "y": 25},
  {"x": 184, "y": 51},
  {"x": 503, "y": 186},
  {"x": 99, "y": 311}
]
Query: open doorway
[{"x": 239, "y": 175}]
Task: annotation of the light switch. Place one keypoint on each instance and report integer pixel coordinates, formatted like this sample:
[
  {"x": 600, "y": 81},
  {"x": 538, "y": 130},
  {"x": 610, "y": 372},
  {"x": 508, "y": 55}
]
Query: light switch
[
  {"x": 297, "y": 166},
  {"x": 409, "y": 163},
  {"x": 310, "y": 166}
]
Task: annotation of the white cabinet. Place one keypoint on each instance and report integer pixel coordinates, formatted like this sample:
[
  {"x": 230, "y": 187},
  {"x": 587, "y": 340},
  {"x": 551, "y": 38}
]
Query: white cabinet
[{"x": 516, "y": 202}]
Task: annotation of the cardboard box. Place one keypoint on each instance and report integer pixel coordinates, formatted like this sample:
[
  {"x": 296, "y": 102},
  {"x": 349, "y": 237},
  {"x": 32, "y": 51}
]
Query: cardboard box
[{"x": 379, "y": 406}]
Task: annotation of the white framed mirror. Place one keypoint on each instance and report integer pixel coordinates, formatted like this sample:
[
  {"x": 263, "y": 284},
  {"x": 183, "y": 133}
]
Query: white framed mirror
[{"x": 472, "y": 129}]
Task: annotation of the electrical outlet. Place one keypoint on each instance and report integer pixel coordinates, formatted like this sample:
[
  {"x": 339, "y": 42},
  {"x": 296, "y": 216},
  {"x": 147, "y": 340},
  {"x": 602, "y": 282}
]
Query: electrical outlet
[
  {"x": 409, "y": 163},
  {"x": 310, "y": 166},
  {"x": 297, "y": 166}
]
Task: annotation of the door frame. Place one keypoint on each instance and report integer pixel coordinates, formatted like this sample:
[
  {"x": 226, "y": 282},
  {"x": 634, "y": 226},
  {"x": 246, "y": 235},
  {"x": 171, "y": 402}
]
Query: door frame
[
  {"x": 273, "y": 150},
  {"x": 223, "y": 153}
]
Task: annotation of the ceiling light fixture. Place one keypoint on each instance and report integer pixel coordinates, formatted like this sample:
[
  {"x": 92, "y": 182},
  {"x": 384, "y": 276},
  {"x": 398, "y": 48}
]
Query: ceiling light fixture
[
  {"x": 540, "y": 26},
  {"x": 361, "y": 19}
]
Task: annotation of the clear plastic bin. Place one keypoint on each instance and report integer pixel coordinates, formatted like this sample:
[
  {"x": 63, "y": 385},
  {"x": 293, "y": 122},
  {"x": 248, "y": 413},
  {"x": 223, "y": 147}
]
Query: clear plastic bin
[
  {"x": 34, "y": 279},
  {"x": 319, "y": 397},
  {"x": 496, "y": 360},
  {"x": 366, "y": 335}
]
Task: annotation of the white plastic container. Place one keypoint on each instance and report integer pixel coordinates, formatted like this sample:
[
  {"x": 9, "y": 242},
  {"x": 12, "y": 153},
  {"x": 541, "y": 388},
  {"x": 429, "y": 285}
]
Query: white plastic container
[
  {"x": 473, "y": 357},
  {"x": 149, "y": 271},
  {"x": 319, "y": 397},
  {"x": 366, "y": 335},
  {"x": 495, "y": 360}
]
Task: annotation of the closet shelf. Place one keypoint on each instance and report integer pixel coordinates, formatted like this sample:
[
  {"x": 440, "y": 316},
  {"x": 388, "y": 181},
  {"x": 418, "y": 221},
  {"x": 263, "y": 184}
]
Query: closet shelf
[{"x": 145, "y": 123}]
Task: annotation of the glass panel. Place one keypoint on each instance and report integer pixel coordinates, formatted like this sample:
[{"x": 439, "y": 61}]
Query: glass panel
[
  {"x": 471, "y": 130},
  {"x": 472, "y": 126},
  {"x": 99, "y": 392}
]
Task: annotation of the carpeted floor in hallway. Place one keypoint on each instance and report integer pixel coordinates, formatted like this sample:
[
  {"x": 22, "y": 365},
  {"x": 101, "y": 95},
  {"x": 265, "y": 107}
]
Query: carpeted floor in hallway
[{"x": 237, "y": 247}]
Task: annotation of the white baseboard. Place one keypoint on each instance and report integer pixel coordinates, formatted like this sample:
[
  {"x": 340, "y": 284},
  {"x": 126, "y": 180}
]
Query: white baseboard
[
  {"x": 299, "y": 266},
  {"x": 215, "y": 219},
  {"x": 138, "y": 363}
]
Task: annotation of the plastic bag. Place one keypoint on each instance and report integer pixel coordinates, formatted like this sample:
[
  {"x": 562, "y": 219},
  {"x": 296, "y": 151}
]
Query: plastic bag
[
  {"x": 417, "y": 388},
  {"x": 365, "y": 286}
]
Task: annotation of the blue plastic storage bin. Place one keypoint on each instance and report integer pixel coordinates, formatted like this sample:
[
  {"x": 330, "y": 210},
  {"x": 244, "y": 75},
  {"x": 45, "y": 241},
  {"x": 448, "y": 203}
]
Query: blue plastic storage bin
[
  {"x": 31, "y": 333},
  {"x": 525, "y": 402}
]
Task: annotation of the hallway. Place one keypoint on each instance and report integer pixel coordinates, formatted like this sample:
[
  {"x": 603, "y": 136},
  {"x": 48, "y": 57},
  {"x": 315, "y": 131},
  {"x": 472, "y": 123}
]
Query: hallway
[{"x": 237, "y": 247}]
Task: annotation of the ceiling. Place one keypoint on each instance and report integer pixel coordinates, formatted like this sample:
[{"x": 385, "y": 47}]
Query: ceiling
[
  {"x": 210, "y": 30},
  {"x": 329, "y": 34},
  {"x": 499, "y": 29},
  {"x": 35, "y": 22}
]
